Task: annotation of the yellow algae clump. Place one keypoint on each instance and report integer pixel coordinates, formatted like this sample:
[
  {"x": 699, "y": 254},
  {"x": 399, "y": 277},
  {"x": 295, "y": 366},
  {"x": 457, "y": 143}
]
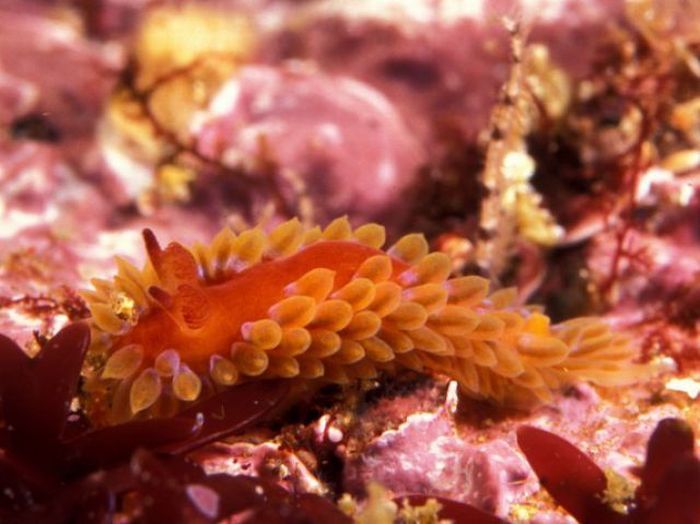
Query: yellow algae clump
[
  {"x": 181, "y": 58},
  {"x": 173, "y": 38}
]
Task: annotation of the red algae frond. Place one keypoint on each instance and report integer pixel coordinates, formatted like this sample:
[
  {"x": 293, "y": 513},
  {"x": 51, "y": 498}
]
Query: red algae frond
[{"x": 325, "y": 304}]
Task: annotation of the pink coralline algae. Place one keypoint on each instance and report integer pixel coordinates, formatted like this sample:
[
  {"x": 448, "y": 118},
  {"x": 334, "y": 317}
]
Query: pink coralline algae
[
  {"x": 339, "y": 140},
  {"x": 36, "y": 51},
  {"x": 38, "y": 187},
  {"x": 415, "y": 53},
  {"x": 426, "y": 455}
]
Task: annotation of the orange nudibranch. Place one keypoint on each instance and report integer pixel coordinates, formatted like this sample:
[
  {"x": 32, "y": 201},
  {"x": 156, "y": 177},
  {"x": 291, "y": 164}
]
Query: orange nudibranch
[{"x": 329, "y": 305}]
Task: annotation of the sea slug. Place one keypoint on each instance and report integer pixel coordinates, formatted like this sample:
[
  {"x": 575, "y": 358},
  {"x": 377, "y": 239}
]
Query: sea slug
[{"x": 323, "y": 304}]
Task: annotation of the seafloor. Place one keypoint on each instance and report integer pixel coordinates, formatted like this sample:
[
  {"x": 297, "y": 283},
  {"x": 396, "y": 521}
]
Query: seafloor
[{"x": 550, "y": 147}]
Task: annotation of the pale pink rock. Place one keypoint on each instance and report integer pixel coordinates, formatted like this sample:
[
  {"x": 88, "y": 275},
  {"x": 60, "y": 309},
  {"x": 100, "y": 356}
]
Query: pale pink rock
[
  {"x": 441, "y": 61},
  {"x": 343, "y": 139},
  {"x": 70, "y": 75},
  {"x": 17, "y": 97},
  {"x": 38, "y": 187},
  {"x": 472, "y": 455},
  {"x": 426, "y": 455}
]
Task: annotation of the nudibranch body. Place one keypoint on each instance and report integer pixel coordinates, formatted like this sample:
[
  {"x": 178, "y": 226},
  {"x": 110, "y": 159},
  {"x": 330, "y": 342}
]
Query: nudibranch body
[{"x": 323, "y": 304}]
